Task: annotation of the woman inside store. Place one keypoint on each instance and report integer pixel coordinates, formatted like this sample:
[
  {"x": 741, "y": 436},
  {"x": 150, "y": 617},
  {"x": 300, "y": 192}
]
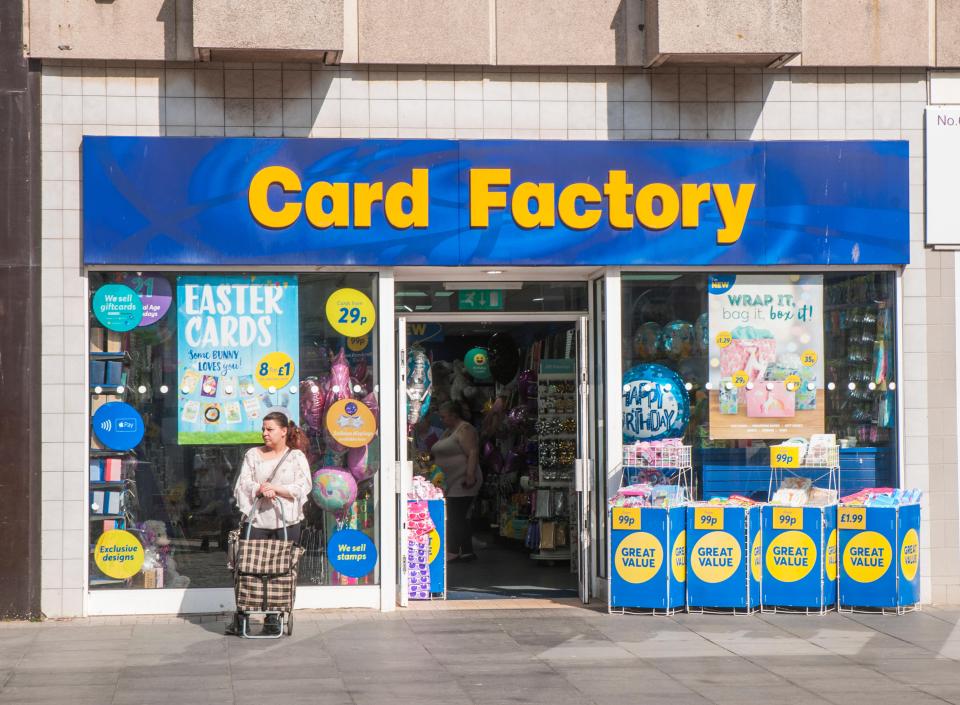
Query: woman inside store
[
  {"x": 273, "y": 486},
  {"x": 457, "y": 453}
]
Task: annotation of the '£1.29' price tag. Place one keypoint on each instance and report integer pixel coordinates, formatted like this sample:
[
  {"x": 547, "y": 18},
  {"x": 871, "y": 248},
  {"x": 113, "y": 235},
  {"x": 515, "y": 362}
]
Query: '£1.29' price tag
[
  {"x": 785, "y": 456},
  {"x": 351, "y": 313}
]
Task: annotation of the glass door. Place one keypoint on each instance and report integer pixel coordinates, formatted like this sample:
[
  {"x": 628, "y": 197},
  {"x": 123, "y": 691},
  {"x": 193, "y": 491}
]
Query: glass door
[
  {"x": 583, "y": 484},
  {"x": 404, "y": 465}
]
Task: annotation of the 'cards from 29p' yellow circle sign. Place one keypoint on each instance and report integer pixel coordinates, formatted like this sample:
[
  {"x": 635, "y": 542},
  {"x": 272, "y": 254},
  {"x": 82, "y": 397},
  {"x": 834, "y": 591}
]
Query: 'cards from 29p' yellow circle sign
[{"x": 351, "y": 312}]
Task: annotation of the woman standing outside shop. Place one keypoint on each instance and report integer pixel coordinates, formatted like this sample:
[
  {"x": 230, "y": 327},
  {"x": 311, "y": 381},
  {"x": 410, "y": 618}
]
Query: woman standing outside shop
[
  {"x": 277, "y": 470},
  {"x": 457, "y": 453}
]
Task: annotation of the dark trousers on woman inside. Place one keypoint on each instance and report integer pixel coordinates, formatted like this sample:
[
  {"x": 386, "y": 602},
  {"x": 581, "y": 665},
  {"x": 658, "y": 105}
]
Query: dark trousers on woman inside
[{"x": 459, "y": 531}]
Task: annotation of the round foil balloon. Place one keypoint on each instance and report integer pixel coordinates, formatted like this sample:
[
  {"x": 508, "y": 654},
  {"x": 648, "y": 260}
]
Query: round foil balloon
[
  {"x": 477, "y": 362},
  {"x": 419, "y": 385},
  {"x": 645, "y": 340},
  {"x": 655, "y": 404},
  {"x": 676, "y": 339},
  {"x": 334, "y": 489},
  {"x": 701, "y": 333},
  {"x": 504, "y": 357}
]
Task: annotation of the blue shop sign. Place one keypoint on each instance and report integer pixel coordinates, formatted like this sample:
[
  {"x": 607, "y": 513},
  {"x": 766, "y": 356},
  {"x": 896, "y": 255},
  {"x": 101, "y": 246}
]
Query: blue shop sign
[
  {"x": 378, "y": 202},
  {"x": 352, "y": 553}
]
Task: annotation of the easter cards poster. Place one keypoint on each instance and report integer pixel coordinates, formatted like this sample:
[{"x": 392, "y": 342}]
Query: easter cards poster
[
  {"x": 766, "y": 355},
  {"x": 238, "y": 344}
]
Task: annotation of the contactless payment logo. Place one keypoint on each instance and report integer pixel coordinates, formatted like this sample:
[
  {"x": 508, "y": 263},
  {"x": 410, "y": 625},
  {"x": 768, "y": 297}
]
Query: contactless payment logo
[
  {"x": 639, "y": 557},
  {"x": 831, "y": 562},
  {"x": 867, "y": 556},
  {"x": 716, "y": 557},
  {"x": 910, "y": 555},
  {"x": 351, "y": 423},
  {"x": 791, "y": 556},
  {"x": 679, "y": 557},
  {"x": 118, "y": 426}
]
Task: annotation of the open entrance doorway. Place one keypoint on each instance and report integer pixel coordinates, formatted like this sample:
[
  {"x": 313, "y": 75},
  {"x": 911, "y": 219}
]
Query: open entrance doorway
[{"x": 496, "y": 417}]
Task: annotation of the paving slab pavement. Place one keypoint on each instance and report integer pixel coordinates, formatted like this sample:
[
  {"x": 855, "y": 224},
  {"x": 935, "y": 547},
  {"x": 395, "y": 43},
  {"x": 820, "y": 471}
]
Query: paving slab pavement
[{"x": 491, "y": 653}]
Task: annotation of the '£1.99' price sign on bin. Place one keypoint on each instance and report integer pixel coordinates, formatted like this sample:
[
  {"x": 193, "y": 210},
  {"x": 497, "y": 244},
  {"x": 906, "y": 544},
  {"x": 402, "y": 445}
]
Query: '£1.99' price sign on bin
[{"x": 351, "y": 313}]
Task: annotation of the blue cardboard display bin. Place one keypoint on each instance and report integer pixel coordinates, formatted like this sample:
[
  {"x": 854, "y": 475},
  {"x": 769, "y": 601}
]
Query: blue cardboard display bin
[
  {"x": 437, "y": 508},
  {"x": 799, "y": 558},
  {"x": 880, "y": 557},
  {"x": 723, "y": 558},
  {"x": 647, "y": 559}
]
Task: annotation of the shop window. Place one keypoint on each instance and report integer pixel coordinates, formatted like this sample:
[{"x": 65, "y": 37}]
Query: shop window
[
  {"x": 818, "y": 357},
  {"x": 183, "y": 369}
]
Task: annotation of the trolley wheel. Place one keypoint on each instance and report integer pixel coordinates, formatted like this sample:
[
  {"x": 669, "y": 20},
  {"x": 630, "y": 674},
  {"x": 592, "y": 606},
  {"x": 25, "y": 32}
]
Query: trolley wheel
[{"x": 289, "y": 623}]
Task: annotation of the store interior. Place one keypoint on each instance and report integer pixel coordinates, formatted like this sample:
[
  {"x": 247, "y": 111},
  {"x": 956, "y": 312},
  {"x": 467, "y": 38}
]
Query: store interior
[{"x": 514, "y": 385}]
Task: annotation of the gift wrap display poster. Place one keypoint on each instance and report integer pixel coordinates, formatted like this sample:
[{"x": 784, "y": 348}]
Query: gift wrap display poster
[
  {"x": 766, "y": 356},
  {"x": 238, "y": 356}
]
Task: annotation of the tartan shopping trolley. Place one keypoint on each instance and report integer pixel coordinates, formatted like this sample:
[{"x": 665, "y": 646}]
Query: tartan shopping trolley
[{"x": 265, "y": 580}]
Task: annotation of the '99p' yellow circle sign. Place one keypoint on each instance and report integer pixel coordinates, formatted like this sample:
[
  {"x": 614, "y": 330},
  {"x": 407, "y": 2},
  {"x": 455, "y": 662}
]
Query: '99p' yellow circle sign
[
  {"x": 351, "y": 313},
  {"x": 118, "y": 554},
  {"x": 639, "y": 557}
]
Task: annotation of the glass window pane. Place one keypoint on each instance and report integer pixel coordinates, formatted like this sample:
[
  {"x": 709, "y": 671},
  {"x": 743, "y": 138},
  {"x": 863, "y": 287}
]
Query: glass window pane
[
  {"x": 196, "y": 373},
  {"x": 666, "y": 322}
]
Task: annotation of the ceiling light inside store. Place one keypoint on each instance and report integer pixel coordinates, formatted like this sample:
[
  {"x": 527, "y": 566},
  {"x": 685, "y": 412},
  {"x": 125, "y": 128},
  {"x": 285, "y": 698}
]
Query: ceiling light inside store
[
  {"x": 424, "y": 307},
  {"x": 99, "y": 390},
  {"x": 164, "y": 389},
  {"x": 466, "y": 286},
  {"x": 494, "y": 271},
  {"x": 538, "y": 299},
  {"x": 892, "y": 386},
  {"x": 871, "y": 386},
  {"x": 412, "y": 294},
  {"x": 831, "y": 386},
  {"x": 120, "y": 389},
  {"x": 688, "y": 386},
  {"x": 142, "y": 389},
  {"x": 852, "y": 386}
]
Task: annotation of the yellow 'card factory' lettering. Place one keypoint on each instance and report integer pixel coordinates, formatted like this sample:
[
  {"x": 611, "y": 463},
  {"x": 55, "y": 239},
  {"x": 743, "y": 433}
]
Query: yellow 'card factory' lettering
[{"x": 577, "y": 206}]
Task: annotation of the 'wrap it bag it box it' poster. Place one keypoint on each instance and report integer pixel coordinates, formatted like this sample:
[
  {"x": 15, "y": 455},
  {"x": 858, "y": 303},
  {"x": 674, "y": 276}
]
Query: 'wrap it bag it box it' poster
[
  {"x": 766, "y": 355},
  {"x": 238, "y": 345}
]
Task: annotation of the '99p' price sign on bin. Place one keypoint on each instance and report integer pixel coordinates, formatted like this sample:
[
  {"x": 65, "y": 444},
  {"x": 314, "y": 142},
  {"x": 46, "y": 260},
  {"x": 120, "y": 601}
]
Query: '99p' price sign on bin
[{"x": 784, "y": 456}]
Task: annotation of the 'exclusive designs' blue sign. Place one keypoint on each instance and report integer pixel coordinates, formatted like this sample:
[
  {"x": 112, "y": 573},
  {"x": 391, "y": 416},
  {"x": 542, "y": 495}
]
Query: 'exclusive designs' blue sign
[{"x": 243, "y": 201}]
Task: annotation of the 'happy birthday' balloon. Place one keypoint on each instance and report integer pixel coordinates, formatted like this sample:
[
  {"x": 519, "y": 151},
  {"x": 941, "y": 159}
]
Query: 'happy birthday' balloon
[{"x": 655, "y": 404}]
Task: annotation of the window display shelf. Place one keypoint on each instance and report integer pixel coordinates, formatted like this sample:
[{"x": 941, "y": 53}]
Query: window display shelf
[
  {"x": 122, "y": 356},
  {"x": 106, "y": 453},
  {"x": 559, "y": 555},
  {"x": 109, "y": 484}
]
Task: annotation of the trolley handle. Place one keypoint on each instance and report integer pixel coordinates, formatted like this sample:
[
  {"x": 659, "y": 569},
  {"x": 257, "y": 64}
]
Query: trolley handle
[{"x": 279, "y": 505}]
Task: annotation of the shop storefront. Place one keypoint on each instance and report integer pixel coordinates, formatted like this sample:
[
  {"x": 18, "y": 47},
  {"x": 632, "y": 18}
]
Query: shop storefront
[{"x": 636, "y": 284}]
